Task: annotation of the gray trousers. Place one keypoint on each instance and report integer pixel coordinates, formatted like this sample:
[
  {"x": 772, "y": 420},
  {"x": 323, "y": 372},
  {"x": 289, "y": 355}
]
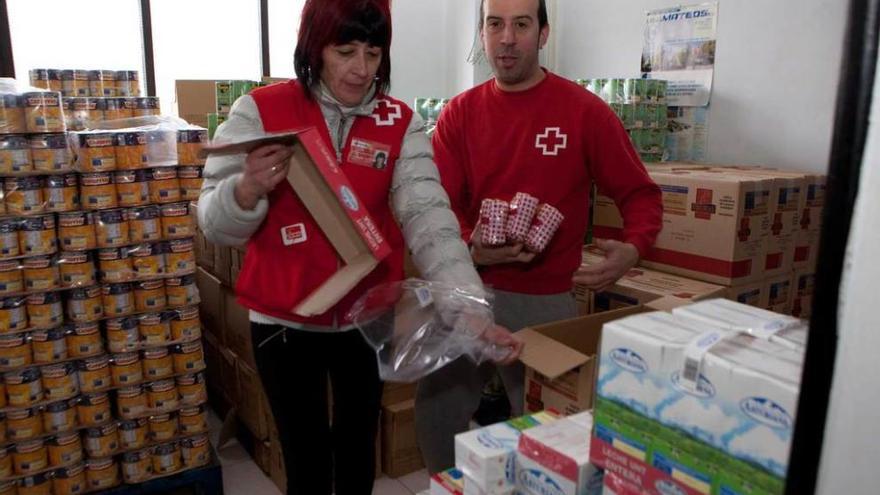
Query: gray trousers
[{"x": 447, "y": 399}]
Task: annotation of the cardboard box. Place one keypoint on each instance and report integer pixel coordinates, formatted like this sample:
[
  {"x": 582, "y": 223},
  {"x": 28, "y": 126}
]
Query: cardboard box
[
  {"x": 252, "y": 406},
  {"x": 278, "y": 471},
  {"x": 319, "y": 182},
  {"x": 806, "y": 250},
  {"x": 643, "y": 285},
  {"x": 803, "y": 284},
  {"x": 237, "y": 328},
  {"x": 449, "y": 482},
  {"x": 787, "y": 201},
  {"x": 393, "y": 393},
  {"x": 778, "y": 292},
  {"x": 194, "y": 100},
  {"x": 213, "y": 362},
  {"x": 751, "y": 293},
  {"x": 560, "y": 361},
  {"x": 715, "y": 226},
  {"x": 229, "y": 376},
  {"x": 236, "y": 261},
  {"x": 212, "y": 306},
  {"x": 811, "y": 217},
  {"x": 223, "y": 264},
  {"x": 204, "y": 251},
  {"x": 400, "y": 452}
]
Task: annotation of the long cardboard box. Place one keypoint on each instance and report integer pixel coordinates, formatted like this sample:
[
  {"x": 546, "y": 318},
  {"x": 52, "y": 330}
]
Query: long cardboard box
[
  {"x": 642, "y": 285},
  {"x": 253, "y": 407},
  {"x": 715, "y": 226},
  {"x": 194, "y": 99},
  {"x": 400, "y": 451},
  {"x": 802, "y": 285},
  {"x": 237, "y": 328},
  {"x": 560, "y": 361},
  {"x": 779, "y": 293},
  {"x": 322, "y": 186},
  {"x": 752, "y": 293},
  {"x": 212, "y": 306}
]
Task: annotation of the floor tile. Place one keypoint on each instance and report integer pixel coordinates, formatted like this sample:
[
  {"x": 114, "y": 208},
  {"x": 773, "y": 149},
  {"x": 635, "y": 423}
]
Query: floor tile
[
  {"x": 245, "y": 478},
  {"x": 417, "y": 481},
  {"x": 388, "y": 486}
]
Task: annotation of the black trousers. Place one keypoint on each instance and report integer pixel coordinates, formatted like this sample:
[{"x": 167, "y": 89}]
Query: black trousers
[{"x": 294, "y": 367}]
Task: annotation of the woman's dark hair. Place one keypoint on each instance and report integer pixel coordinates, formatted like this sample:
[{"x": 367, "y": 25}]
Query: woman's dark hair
[{"x": 336, "y": 22}]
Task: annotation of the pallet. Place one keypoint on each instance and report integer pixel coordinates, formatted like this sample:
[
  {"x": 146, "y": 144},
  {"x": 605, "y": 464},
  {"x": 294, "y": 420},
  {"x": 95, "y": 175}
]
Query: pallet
[{"x": 205, "y": 480}]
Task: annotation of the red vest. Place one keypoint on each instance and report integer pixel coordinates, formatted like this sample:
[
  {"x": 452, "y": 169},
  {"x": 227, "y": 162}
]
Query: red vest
[{"x": 279, "y": 271}]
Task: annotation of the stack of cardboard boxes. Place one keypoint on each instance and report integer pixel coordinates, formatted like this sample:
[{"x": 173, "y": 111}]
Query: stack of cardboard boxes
[{"x": 753, "y": 230}]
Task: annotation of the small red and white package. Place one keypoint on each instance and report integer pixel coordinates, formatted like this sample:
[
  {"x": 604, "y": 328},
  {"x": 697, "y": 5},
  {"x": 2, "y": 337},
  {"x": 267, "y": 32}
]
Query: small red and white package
[
  {"x": 493, "y": 219},
  {"x": 545, "y": 224},
  {"x": 522, "y": 210}
]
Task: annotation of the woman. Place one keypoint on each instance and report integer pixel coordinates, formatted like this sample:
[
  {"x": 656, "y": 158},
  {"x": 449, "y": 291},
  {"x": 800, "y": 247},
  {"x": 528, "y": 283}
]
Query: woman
[{"x": 343, "y": 74}]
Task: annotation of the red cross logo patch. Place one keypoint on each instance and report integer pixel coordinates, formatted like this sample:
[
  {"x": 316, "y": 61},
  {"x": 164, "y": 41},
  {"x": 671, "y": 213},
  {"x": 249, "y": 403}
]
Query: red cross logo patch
[
  {"x": 551, "y": 141},
  {"x": 386, "y": 113}
]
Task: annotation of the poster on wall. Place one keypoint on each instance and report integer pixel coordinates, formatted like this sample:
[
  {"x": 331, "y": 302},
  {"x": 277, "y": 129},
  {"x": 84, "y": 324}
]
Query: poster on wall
[
  {"x": 688, "y": 134},
  {"x": 679, "y": 46}
]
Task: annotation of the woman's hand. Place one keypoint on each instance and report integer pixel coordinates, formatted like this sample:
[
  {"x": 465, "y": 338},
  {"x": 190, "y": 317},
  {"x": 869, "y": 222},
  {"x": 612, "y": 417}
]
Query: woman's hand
[
  {"x": 503, "y": 339},
  {"x": 264, "y": 168}
]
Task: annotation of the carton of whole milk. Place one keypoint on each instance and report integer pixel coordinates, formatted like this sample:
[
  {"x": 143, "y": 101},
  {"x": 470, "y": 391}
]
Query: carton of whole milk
[
  {"x": 761, "y": 323},
  {"x": 728, "y": 389},
  {"x": 449, "y": 482},
  {"x": 486, "y": 455},
  {"x": 555, "y": 459}
]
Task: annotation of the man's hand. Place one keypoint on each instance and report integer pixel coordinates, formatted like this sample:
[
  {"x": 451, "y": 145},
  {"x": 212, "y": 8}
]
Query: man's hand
[
  {"x": 264, "y": 168},
  {"x": 503, "y": 339},
  {"x": 486, "y": 255},
  {"x": 620, "y": 257}
]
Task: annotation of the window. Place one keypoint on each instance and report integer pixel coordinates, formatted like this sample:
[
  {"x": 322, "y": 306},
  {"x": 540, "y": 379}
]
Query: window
[
  {"x": 204, "y": 39},
  {"x": 284, "y": 17},
  {"x": 57, "y": 34}
]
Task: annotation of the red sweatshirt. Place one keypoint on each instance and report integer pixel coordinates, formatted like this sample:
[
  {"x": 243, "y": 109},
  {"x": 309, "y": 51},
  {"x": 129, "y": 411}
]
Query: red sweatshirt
[{"x": 550, "y": 141}]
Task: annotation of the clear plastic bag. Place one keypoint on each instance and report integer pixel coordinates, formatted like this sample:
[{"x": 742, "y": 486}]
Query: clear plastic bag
[{"x": 417, "y": 327}]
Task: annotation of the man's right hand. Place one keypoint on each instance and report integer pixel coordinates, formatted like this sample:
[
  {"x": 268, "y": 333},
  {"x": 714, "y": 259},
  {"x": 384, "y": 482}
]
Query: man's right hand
[
  {"x": 486, "y": 255},
  {"x": 264, "y": 168}
]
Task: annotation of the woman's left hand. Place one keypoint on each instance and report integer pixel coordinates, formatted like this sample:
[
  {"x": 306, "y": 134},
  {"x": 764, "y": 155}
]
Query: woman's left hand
[{"x": 503, "y": 338}]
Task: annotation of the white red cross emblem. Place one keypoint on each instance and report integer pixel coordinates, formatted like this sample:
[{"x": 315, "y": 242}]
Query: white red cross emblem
[
  {"x": 386, "y": 113},
  {"x": 551, "y": 141}
]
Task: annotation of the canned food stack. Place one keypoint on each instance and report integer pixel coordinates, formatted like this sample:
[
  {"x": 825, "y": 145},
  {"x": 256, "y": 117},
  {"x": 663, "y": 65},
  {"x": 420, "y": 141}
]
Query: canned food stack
[
  {"x": 101, "y": 356},
  {"x": 524, "y": 220},
  {"x": 429, "y": 109},
  {"x": 641, "y": 106},
  {"x": 225, "y": 94}
]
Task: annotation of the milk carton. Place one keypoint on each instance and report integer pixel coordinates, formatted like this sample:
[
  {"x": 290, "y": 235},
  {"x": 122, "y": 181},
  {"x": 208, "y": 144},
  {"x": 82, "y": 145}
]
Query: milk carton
[
  {"x": 760, "y": 323},
  {"x": 486, "y": 455},
  {"x": 554, "y": 459},
  {"x": 449, "y": 482},
  {"x": 726, "y": 388},
  {"x": 471, "y": 487}
]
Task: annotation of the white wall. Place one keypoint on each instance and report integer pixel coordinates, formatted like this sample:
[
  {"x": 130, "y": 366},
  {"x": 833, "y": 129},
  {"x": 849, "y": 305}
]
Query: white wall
[
  {"x": 776, "y": 72},
  {"x": 419, "y": 45},
  {"x": 850, "y": 453}
]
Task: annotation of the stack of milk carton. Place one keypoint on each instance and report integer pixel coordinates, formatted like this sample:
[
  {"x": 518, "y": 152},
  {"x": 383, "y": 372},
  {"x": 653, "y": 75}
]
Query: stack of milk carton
[
  {"x": 532, "y": 455},
  {"x": 717, "y": 381}
]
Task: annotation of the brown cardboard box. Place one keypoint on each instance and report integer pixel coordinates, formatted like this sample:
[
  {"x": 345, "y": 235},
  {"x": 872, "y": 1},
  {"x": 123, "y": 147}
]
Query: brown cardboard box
[
  {"x": 802, "y": 284},
  {"x": 204, "y": 251},
  {"x": 787, "y": 201},
  {"x": 810, "y": 219},
  {"x": 806, "y": 250},
  {"x": 252, "y": 406},
  {"x": 237, "y": 329},
  {"x": 560, "y": 360},
  {"x": 583, "y": 299},
  {"x": 277, "y": 470},
  {"x": 229, "y": 376},
  {"x": 211, "y": 308},
  {"x": 194, "y": 100},
  {"x": 213, "y": 361},
  {"x": 236, "y": 255},
  {"x": 751, "y": 293},
  {"x": 400, "y": 452},
  {"x": 322, "y": 186},
  {"x": 393, "y": 393},
  {"x": 778, "y": 293},
  {"x": 223, "y": 264},
  {"x": 643, "y": 285},
  {"x": 715, "y": 226}
]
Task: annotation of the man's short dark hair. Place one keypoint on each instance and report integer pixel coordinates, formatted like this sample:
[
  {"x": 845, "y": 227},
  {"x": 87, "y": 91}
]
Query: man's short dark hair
[{"x": 542, "y": 14}]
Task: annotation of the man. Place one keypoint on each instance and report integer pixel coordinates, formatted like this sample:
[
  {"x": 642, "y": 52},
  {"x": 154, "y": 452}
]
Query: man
[{"x": 528, "y": 130}]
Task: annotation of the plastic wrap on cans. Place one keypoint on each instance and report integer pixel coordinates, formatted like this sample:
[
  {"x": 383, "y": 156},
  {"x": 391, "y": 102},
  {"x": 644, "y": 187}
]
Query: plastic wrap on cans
[
  {"x": 523, "y": 207},
  {"x": 544, "y": 226},
  {"x": 493, "y": 218},
  {"x": 417, "y": 327}
]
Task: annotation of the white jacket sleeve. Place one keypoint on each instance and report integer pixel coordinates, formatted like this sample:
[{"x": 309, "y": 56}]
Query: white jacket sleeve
[
  {"x": 221, "y": 219},
  {"x": 421, "y": 205}
]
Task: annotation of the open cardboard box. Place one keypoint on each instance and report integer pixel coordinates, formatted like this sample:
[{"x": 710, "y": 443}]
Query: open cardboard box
[
  {"x": 325, "y": 190},
  {"x": 561, "y": 357}
]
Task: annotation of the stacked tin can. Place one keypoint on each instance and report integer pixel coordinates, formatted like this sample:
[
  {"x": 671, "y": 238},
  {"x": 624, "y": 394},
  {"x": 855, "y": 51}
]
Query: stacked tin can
[
  {"x": 524, "y": 220},
  {"x": 100, "y": 340},
  {"x": 641, "y": 106}
]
